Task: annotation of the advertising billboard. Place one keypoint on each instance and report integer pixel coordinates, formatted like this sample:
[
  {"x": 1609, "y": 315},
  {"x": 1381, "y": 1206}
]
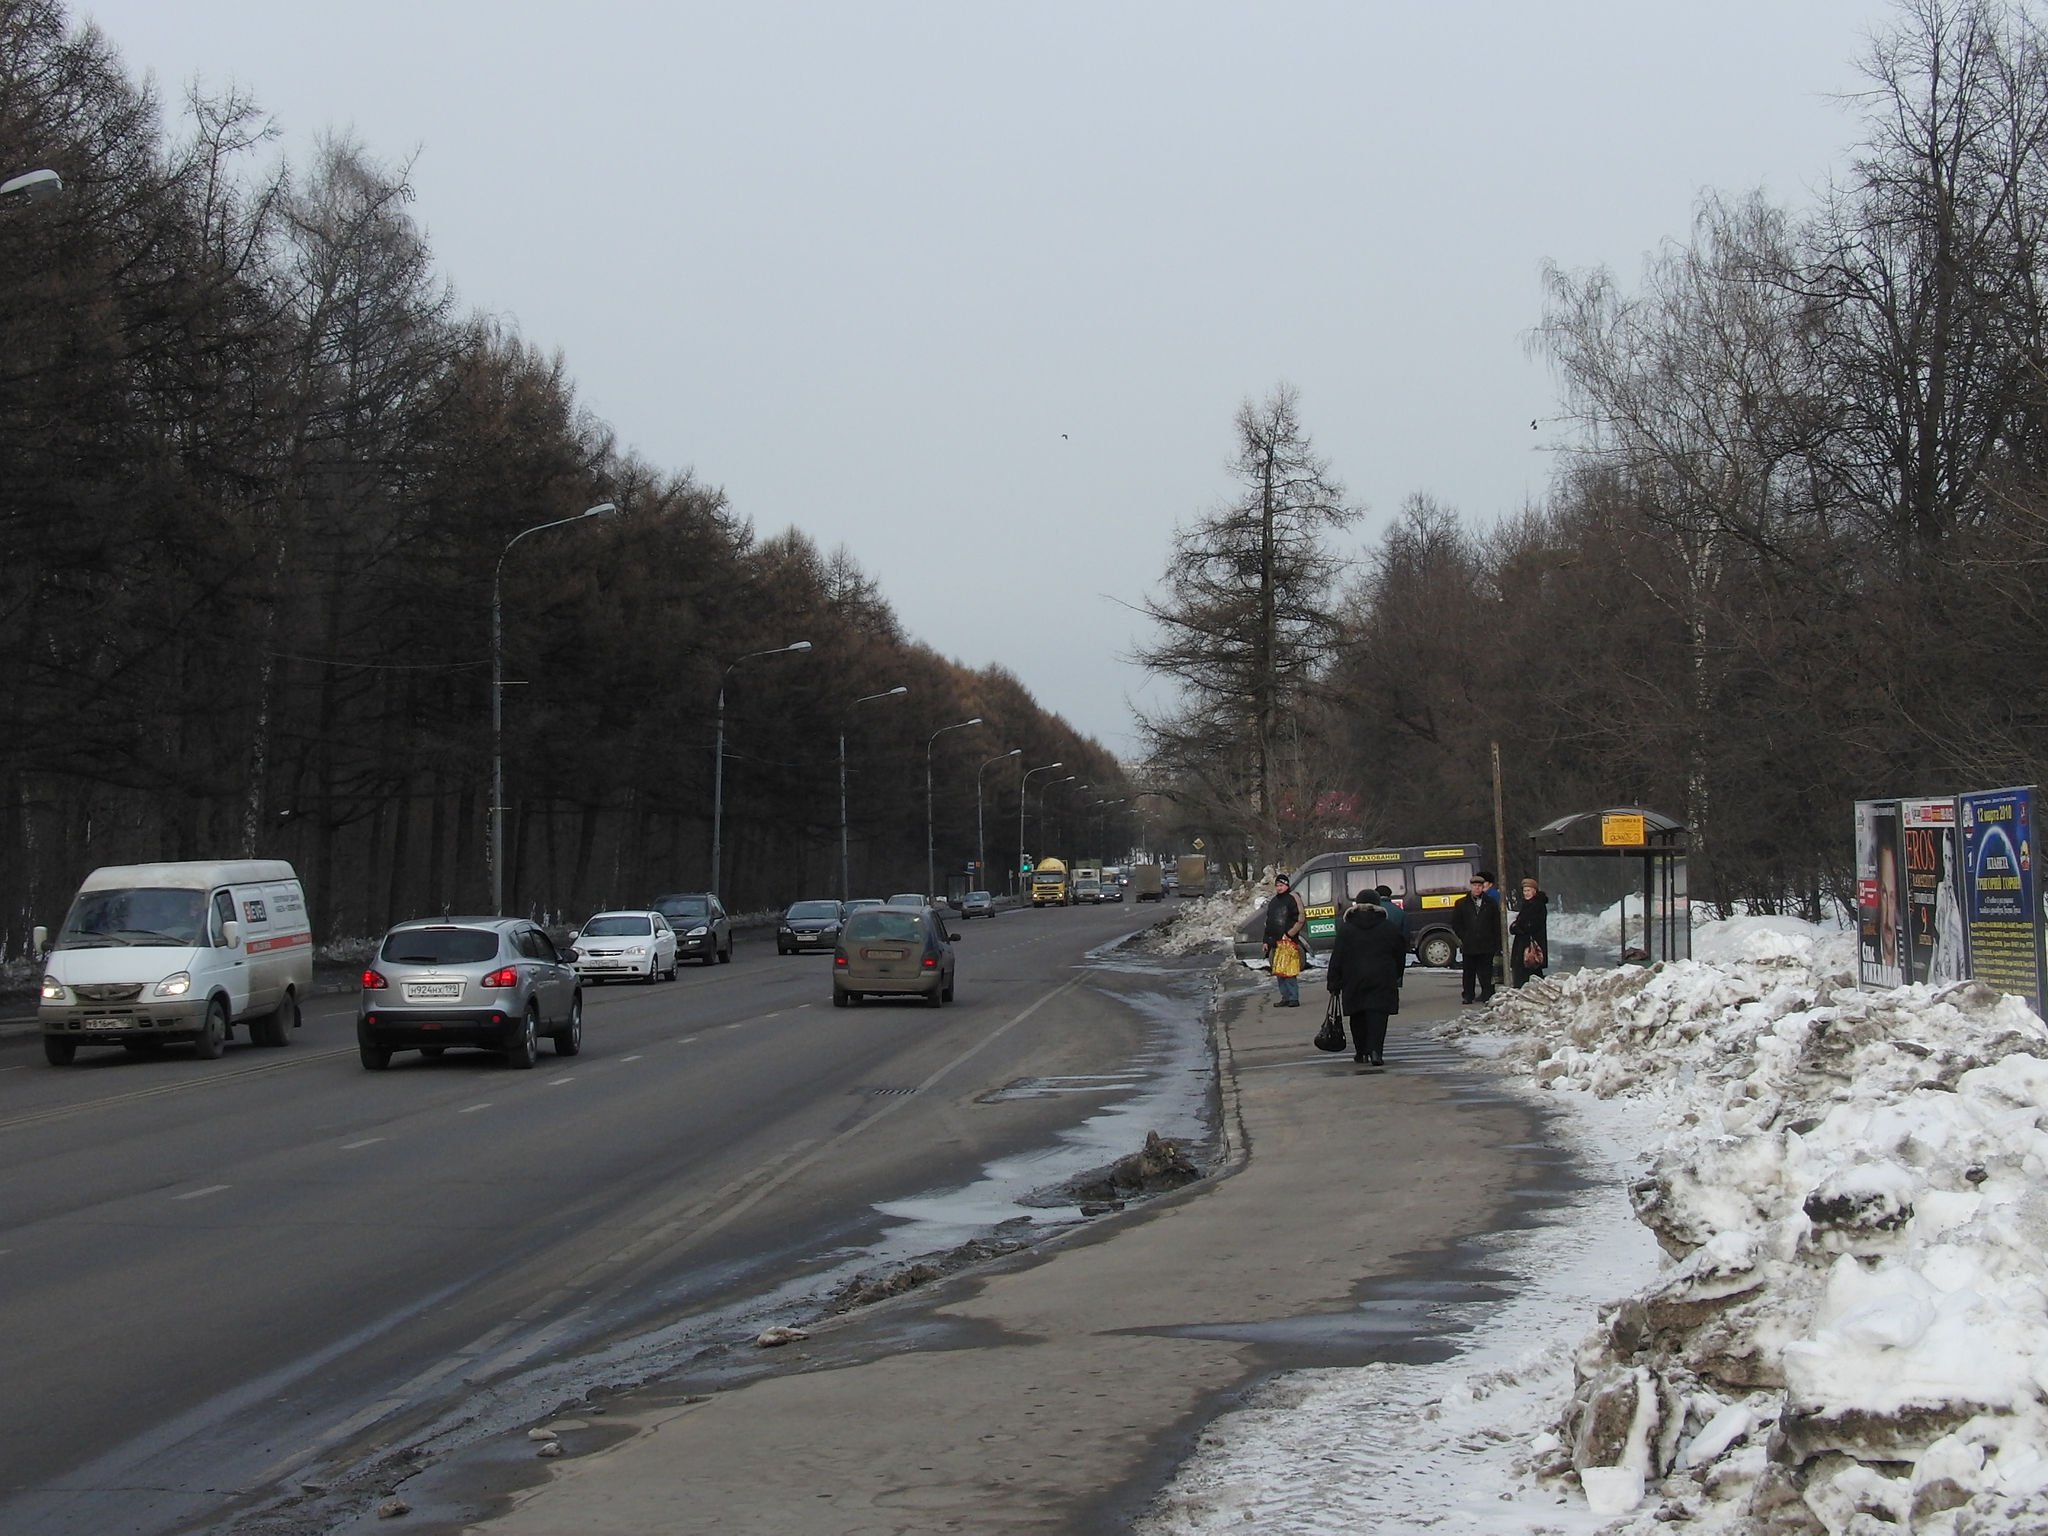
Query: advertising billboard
[
  {"x": 2000, "y": 905},
  {"x": 1880, "y": 895},
  {"x": 1935, "y": 951}
]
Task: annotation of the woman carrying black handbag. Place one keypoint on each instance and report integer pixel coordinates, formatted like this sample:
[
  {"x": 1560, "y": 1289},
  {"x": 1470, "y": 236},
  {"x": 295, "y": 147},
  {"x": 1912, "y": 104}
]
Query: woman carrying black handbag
[
  {"x": 1529, "y": 934},
  {"x": 1365, "y": 975}
]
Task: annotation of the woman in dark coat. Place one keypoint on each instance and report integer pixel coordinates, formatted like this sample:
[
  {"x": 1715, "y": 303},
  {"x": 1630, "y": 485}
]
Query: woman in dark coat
[
  {"x": 1365, "y": 974},
  {"x": 1531, "y": 926}
]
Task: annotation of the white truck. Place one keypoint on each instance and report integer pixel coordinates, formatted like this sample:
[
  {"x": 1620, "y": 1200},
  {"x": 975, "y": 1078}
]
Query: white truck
[{"x": 152, "y": 953}]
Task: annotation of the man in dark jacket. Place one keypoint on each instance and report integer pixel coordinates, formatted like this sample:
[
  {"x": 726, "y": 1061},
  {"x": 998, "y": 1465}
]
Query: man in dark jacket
[
  {"x": 1475, "y": 919},
  {"x": 1365, "y": 976},
  {"x": 1284, "y": 920}
]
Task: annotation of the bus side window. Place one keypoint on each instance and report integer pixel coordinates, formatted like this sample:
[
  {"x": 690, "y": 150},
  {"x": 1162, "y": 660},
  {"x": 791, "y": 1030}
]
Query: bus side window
[{"x": 1447, "y": 879}]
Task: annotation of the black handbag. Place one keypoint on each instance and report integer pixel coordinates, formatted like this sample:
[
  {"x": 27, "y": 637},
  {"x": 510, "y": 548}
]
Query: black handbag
[{"x": 1331, "y": 1036}]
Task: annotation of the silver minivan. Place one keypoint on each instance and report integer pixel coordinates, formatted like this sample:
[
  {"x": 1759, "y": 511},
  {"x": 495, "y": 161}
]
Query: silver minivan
[{"x": 495, "y": 982}]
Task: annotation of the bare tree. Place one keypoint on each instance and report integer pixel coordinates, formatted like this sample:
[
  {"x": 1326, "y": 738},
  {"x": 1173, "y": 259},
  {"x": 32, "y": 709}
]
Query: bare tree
[{"x": 1243, "y": 622}]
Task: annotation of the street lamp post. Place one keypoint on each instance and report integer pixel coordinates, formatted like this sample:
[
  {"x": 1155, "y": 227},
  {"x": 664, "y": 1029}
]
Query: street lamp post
[
  {"x": 981, "y": 841},
  {"x": 718, "y": 752},
  {"x": 602, "y": 509},
  {"x": 931, "y": 877},
  {"x": 845, "y": 856},
  {"x": 1043, "y": 835},
  {"x": 1023, "y": 784}
]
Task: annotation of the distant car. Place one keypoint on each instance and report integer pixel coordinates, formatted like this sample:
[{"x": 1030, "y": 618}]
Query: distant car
[
  {"x": 977, "y": 904},
  {"x": 637, "y": 944},
  {"x": 494, "y": 982},
  {"x": 893, "y": 950},
  {"x": 1089, "y": 891},
  {"x": 859, "y": 902},
  {"x": 703, "y": 931},
  {"x": 1112, "y": 889},
  {"x": 809, "y": 925},
  {"x": 912, "y": 899}
]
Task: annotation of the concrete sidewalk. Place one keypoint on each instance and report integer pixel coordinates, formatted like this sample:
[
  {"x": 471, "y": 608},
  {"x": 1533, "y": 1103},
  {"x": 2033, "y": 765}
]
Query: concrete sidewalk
[{"x": 1057, "y": 1389}]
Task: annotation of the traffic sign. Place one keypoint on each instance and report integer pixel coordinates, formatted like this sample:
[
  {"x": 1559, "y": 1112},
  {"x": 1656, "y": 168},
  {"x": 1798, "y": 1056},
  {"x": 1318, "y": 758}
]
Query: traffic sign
[{"x": 1198, "y": 845}]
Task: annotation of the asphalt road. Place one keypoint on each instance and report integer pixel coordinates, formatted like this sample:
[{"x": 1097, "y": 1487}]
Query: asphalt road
[{"x": 223, "y": 1279}]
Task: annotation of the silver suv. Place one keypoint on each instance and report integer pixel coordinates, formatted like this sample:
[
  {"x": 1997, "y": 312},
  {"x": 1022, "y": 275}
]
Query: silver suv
[{"x": 495, "y": 982}]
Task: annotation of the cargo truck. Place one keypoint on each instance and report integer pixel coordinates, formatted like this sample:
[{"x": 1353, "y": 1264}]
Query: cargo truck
[
  {"x": 1049, "y": 886},
  {"x": 1191, "y": 874},
  {"x": 1147, "y": 881}
]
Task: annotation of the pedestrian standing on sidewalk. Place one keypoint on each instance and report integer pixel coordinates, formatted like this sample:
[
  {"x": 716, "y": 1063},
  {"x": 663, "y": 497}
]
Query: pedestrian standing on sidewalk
[
  {"x": 1365, "y": 977},
  {"x": 1529, "y": 934},
  {"x": 1284, "y": 921},
  {"x": 1475, "y": 919},
  {"x": 1400, "y": 921}
]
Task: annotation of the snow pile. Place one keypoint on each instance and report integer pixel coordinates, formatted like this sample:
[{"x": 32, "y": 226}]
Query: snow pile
[
  {"x": 1848, "y": 1329},
  {"x": 1206, "y": 922}
]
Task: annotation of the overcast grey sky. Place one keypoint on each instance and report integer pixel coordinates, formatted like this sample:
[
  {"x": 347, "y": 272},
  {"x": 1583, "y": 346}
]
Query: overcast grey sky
[{"x": 976, "y": 289}]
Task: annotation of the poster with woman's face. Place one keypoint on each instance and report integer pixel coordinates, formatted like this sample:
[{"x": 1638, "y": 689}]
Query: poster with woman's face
[{"x": 1880, "y": 899}]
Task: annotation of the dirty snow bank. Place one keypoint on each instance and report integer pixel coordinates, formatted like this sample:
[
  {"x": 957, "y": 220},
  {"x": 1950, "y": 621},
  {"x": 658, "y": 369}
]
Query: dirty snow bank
[{"x": 1846, "y": 1330}]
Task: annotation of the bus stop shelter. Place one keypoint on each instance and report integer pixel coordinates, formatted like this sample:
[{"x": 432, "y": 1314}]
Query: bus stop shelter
[{"x": 1617, "y": 885}]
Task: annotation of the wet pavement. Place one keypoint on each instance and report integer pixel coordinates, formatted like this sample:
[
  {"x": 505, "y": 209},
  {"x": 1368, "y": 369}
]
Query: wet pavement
[{"x": 1350, "y": 1217}]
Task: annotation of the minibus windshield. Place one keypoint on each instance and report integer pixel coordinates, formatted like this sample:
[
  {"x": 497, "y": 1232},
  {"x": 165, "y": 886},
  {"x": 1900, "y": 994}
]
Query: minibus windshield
[{"x": 146, "y": 916}]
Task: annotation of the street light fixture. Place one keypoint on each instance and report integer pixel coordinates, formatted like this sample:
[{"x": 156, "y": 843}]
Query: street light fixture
[
  {"x": 31, "y": 187},
  {"x": 718, "y": 751},
  {"x": 845, "y": 858},
  {"x": 602, "y": 509},
  {"x": 931, "y": 877},
  {"x": 1043, "y": 835},
  {"x": 1024, "y": 784},
  {"x": 980, "y": 841}
]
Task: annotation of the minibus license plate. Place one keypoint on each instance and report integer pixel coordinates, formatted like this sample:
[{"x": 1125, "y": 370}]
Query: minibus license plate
[{"x": 105, "y": 1023}]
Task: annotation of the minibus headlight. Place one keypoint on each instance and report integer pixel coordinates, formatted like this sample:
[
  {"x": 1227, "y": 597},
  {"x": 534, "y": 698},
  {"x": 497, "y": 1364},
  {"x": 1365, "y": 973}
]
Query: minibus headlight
[
  {"x": 177, "y": 984},
  {"x": 54, "y": 992}
]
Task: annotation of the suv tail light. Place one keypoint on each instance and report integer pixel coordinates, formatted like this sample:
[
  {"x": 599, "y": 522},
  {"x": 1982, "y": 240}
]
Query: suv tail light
[
  {"x": 503, "y": 976},
  {"x": 374, "y": 982}
]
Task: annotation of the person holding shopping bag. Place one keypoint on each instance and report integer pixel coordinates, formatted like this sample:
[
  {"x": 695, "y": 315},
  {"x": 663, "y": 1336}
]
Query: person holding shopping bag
[
  {"x": 1529, "y": 934},
  {"x": 1284, "y": 921},
  {"x": 1365, "y": 975}
]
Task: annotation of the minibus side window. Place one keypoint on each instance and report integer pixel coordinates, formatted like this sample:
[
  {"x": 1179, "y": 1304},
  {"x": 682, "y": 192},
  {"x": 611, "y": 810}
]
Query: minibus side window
[
  {"x": 223, "y": 912},
  {"x": 1446, "y": 879},
  {"x": 1318, "y": 889}
]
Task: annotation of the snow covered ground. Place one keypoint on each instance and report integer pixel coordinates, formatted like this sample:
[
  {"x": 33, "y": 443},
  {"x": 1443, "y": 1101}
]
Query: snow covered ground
[{"x": 1807, "y": 1290}]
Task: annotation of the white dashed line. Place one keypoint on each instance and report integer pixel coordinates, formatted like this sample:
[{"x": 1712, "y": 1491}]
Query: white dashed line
[
  {"x": 194, "y": 1194},
  {"x": 472, "y": 1109},
  {"x": 624, "y": 1059},
  {"x": 689, "y": 1040},
  {"x": 368, "y": 1141},
  {"x": 556, "y": 1082}
]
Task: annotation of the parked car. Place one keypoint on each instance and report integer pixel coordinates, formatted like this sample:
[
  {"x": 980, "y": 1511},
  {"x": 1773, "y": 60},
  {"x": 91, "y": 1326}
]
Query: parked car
[
  {"x": 639, "y": 944},
  {"x": 703, "y": 931},
  {"x": 893, "y": 951},
  {"x": 809, "y": 925},
  {"x": 977, "y": 904},
  {"x": 494, "y": 982}
]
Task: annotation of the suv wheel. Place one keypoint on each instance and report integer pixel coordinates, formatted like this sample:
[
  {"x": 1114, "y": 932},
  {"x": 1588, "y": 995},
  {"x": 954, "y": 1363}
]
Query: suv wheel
[
  {"x": 725, "y": 954},
  {"x": 569, "y": 1041},
  {"x": 523, "y": 1049}
]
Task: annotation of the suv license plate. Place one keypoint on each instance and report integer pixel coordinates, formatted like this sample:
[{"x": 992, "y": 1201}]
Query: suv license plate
[{"x": 432, "y": 991}]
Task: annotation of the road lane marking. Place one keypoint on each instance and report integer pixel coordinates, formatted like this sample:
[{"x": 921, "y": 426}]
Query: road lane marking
[
  {"x": 689, "y": 1040},
  {"x": 556, "y": 1082},
  {"x": 624, "y": 1059},
  {"x": 472, "y": 1109},
  {"x": 194, "y": 1194},
  {"x": 368, "y": 1141}
]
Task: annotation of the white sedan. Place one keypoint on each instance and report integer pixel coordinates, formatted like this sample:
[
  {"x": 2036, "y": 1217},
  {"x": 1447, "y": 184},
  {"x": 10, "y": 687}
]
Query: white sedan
[{"x": 613, "y": 945}]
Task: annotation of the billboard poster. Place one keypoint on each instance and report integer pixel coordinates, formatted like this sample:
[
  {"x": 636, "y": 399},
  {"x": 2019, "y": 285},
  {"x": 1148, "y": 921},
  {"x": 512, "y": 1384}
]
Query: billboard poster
[
  {"x": 2001, "y": 914},
  {"x": 1880, "y": 907},
  {"x": 1934, "y": 892}
]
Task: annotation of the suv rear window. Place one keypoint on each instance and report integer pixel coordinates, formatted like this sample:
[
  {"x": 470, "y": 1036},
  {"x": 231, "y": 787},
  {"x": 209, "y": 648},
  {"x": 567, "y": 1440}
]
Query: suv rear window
[
  {"x": 440, "y": 946},
  {"x": 682, "y": 906},
  {"x": 881, "y": 923}
]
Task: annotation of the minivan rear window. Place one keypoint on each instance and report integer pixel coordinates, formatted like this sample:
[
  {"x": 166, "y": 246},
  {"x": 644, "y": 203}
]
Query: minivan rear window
[
  {"x": 440, "y": 946},
  {"x": 881, "y": 923},
  {"x": 682, "y": 906}
]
